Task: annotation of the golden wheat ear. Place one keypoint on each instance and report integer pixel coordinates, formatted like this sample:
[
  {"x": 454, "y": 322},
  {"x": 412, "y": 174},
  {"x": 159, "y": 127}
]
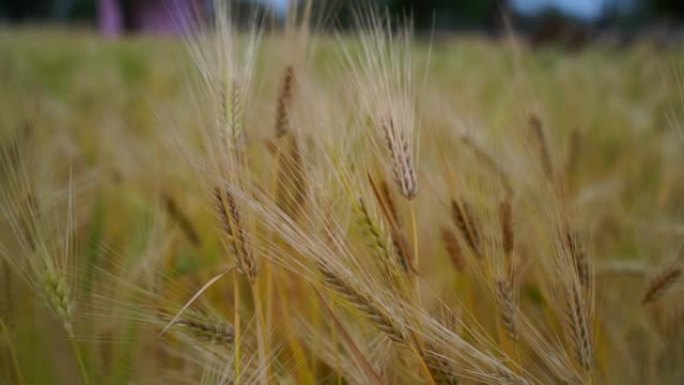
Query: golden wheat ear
[
  {"x": 662, "y": 282},
  {"x": 383, "y": 90},
  {"x": 539, "y": 136},
  {"x": 465, "y": 221},
  {"x": 454, "y": 249},
  {"x": 405, "y": 256},
  {"x": 180, "y": 217}
]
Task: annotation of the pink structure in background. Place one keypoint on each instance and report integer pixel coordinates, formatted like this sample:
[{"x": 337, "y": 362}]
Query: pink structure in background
[
  {"x": 110, "y": 17},
  {"x": 148, "y": 16}
]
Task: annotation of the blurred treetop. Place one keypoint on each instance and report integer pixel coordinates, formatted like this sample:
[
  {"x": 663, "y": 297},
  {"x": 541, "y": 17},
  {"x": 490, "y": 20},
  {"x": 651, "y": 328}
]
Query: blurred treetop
[{"x": 442, "y": 14}]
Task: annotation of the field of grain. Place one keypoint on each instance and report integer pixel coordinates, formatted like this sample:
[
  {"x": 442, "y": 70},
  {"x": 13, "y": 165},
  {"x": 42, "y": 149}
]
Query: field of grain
[{"x": 294, "y": 207}]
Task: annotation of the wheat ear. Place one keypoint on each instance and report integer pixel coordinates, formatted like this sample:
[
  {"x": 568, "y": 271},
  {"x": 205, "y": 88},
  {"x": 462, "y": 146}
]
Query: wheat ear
[
  {"x": 542, "y": 146},
  {"x": 282, "y": 122},
  {"x": 465, "y": 222},
  {"x": 661, "y": 283},
  {"x": 402, "y": 160}
]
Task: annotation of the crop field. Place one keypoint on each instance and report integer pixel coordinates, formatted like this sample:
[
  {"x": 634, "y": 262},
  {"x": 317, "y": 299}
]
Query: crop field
[{"x": 296, "y": 207}]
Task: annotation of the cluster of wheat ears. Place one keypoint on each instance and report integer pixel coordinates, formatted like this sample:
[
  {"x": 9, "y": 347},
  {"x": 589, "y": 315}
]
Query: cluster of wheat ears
[{"x": 347, "y": 250}]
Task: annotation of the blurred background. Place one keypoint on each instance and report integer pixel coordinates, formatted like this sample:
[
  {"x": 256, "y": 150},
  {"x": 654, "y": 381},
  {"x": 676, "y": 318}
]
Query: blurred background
[{"x": 569, "y": 22}]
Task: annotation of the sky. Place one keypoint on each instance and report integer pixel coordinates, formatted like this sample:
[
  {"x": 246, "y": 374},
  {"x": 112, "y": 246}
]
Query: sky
[
  {"x": 587, "y": 10},
  {"x": 279, "y": 6},
  {"x": 583, "y": 9}
]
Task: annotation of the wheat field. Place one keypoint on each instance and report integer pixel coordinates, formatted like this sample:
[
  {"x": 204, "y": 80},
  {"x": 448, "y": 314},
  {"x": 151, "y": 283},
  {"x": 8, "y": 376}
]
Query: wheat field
[{"x": 290, "y": 206}]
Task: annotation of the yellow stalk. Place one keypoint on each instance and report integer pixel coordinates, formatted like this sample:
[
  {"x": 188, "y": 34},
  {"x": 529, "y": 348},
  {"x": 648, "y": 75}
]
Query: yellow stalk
[
  {"x": 300, "y": 358},
  {"x": 261, "y": 336},
  {"x": 79, "y": 356},
  {"x": 13, "y": 354},
  {"x": 415, "y": 262},
  {"x": 236, "y": 324}
]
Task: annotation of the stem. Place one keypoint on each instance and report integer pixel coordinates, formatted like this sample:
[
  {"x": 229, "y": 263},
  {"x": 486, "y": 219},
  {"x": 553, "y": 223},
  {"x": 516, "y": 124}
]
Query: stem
[
  {"x": 13, "y": 354},
  {"x": 415, "y": 262},
  {"x": 267, "y": 319},
  {"x": 268, "y": 277},
  {"x": 265, "y": 371},
  {"x": 416, "y": 348},
  {"x": 304, "y": 370},
  {"x": 236, "y": 324},
  {"x": 79, "y": 356}
]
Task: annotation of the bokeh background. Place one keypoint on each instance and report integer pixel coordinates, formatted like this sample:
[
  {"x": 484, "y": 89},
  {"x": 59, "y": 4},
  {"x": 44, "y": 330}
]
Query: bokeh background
[
  {"x": 96, "y": 85},
  {"x": 590, "y": 18}
]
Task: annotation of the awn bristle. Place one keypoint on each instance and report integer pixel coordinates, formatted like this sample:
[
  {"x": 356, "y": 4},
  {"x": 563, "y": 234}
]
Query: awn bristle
[{"x": 402, "y": 161}]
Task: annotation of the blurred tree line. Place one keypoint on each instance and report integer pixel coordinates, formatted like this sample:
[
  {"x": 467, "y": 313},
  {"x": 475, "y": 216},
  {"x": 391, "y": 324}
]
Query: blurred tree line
[
  {"x": 443, "y": 14},
  {"x": 48, "y": 10}
]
